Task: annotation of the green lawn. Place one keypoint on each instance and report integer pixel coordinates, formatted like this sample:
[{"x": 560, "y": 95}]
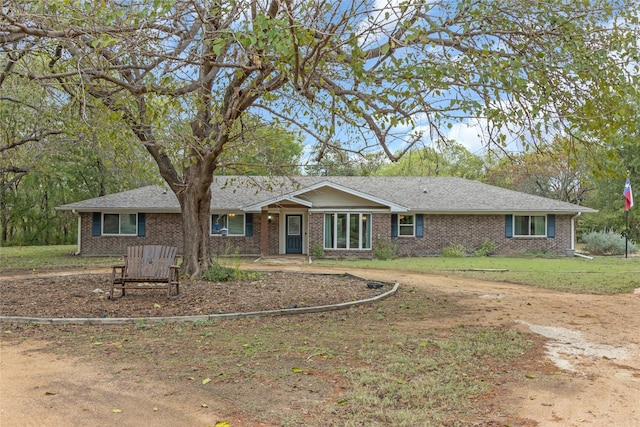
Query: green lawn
[
  {"x": 43, "y": 257},
  {"x": 601, "y": 275}
]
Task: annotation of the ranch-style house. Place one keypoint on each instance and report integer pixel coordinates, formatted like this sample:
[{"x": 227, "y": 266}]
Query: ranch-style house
[{"x": 334, "y": 217}]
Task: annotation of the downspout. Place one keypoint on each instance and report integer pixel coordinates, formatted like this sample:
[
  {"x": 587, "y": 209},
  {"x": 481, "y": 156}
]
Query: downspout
[
  {"x": 308, "y": 236},
  {"x": 573, "y": 230},
  {"x": 77, "y": 252}
]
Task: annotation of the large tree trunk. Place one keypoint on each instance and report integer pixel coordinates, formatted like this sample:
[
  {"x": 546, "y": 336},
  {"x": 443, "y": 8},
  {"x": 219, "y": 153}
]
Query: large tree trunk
[{"x": 195, "y": 203}]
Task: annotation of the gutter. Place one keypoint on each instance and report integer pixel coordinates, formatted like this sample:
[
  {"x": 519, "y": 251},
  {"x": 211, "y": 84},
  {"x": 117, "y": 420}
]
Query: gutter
[
  {"x": 573, "y": 230},
  {"x": 77, "y": 252}
]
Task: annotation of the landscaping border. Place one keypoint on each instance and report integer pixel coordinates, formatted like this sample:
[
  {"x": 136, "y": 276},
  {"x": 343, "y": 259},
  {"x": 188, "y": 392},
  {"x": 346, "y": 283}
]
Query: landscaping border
[{"x": 197, "y": 318}]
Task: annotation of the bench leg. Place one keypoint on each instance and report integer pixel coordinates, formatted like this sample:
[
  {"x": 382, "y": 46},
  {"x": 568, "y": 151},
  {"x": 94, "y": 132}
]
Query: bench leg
[
  {"x": 169, "y": 286},
  {"x": 112, "y": 293}
]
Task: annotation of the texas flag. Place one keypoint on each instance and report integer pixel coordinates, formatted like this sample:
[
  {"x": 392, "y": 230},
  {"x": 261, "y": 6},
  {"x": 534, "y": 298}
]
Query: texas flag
[{"x": 628, "y": 195}]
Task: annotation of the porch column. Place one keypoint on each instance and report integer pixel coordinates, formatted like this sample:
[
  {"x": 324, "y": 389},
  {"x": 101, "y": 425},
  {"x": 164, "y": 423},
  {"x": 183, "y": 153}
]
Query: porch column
[{"x": 264, "y": 232}]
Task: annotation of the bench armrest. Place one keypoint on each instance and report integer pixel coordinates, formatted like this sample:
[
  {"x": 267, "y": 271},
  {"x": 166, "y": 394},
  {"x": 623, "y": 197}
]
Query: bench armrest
[{"x": 118, "y": 271}]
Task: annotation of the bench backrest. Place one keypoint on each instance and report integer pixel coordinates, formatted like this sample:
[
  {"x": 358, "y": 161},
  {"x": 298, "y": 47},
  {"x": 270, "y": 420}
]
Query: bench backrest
[{"x": 151, "y": 261}]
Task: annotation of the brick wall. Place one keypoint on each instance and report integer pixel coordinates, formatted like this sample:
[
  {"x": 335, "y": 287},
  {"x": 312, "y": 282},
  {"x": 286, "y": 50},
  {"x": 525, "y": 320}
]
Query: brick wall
[
  {"x": 164, "y": 229},
  {"x": 471, "y": 231},
  {"x": 274, "y": 238},
  {"x": 440, "y": 231}
]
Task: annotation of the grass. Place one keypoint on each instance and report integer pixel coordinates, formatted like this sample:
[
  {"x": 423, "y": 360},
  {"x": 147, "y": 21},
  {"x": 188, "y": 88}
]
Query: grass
[
  {"x": 42, "y": 257},
  {"x": 601, "y": 275},
  {"x": 388, "y": 373}
]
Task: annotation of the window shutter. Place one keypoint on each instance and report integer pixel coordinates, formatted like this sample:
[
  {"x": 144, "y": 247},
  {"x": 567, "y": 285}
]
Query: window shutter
[
  {"x": 551, "y": 225},
  {"x": 248, "y": 224},
  {"x": 508, "y": 226},
  {"x": 141, "y": 224},
  {"x": 419, "y": 225},
  {"x": 96, "y": 229},
  {"x": 394, "y": 225}
]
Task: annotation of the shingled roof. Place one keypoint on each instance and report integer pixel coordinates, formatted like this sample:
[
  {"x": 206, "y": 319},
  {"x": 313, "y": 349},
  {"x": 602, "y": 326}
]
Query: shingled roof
[{"x": 414, "y": 194}]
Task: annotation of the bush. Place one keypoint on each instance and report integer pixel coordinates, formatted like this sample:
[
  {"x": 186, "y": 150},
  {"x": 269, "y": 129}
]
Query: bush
[
  {"x": 487, "y": 248},
  {"x": 317, "y": 251},
  {"x": 385, "y": 251},
  {"x": 220, "y": 273},
  {"x": 606, "y": 243},
  {"x": 455, "y": 250}
]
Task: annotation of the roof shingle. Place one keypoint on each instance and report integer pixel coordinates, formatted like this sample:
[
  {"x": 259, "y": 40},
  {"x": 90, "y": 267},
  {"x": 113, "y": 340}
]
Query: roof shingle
[{"x": 418, "y": 194}]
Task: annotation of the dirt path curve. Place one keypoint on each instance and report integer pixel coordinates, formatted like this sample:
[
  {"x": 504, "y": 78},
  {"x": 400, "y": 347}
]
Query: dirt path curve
[
  {"x": 594, "y": 343},
  {"x": 594, "y": 348}
]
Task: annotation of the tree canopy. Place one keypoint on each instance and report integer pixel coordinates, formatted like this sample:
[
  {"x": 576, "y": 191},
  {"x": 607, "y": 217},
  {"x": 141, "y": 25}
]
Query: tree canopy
[{"x": 350, "y": 74}]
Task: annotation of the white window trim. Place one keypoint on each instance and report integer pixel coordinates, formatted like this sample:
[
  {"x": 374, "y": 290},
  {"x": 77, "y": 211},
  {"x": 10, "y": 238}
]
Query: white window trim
[
  {"x": 135, "y": 233},
  {"x": 531, "y": 236},
  {"x": 335, "y": 220},
  {"x": 212, "y": 224},
  {"x": 413, "y": 226}
]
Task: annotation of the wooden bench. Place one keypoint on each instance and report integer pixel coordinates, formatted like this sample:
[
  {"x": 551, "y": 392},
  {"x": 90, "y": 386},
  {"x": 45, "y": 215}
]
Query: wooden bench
[{"x": 147, "y": 267}]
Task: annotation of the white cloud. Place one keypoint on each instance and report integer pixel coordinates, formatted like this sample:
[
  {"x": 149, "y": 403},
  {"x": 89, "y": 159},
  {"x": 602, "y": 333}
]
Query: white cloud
[{"x": 469, "y": 134}]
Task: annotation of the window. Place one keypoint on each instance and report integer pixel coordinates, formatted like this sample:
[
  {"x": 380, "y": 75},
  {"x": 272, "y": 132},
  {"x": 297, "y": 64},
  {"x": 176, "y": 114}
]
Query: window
[
  {"x": 406, "y": 225},
  {"x": 120, "y": 224},
  {"x": 347, "y": 231},
  {"x": 232, "y": 223},
  {"x": 525, "y": 225}
]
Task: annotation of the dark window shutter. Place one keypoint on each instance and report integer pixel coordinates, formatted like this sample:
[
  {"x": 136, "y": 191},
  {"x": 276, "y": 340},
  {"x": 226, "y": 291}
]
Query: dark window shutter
[
  {"x": 419, "y": 225},
  {"x": 394, "y": 225},
  {"x": 96, "y": 229},
  {"x": 508, "y": 226},
  {"x": 141, "y": 225},
  {"x": 248, "y": 224},
  {"x": 551, "y": 225}
]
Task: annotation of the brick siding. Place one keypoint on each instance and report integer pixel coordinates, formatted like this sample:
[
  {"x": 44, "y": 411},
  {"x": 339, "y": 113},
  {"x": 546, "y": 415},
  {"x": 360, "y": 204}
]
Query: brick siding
[
  {"x": 164, "y": 229},
  {"x": 440, "y": 231}
]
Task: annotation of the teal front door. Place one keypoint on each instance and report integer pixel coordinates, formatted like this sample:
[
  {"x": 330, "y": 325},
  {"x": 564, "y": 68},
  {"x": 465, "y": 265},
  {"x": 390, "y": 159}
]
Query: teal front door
[{"x": 294, "y": 234}]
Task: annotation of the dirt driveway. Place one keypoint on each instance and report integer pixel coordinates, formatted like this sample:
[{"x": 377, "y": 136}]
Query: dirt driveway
[{"x": 593, "y": 348}]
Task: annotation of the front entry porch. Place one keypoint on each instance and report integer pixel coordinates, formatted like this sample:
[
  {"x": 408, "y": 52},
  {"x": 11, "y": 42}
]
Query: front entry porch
[{"x": 284, "y": 231}]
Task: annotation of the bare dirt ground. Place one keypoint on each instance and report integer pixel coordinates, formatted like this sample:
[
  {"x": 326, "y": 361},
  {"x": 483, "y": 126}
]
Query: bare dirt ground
[{"x": 589, "y": 374}]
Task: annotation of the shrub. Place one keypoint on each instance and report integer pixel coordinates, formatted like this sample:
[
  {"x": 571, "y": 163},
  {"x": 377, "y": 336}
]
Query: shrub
[
  {"x": 317, "y": 251},
  {"x": 385, "y": 251},
  {"x": 454, "y": 250},
  {"x": 220, "y": 273},
  {"x": 487, "y": 248},
  {"x": 606, "y": 242}
]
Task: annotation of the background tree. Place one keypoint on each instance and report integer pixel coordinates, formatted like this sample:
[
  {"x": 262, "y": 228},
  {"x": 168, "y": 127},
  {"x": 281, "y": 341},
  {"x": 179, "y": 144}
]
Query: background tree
[
  {"x": 79, "y": 170},
  {"x": 326, "y": 67},
  {"x": 336, "y": 161},
  {"x": 554, "y": 171},
  {"x": 258, "y": 148},
  {"x": 620, "y": 160},
  {"x": 446, "y": 159}
]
